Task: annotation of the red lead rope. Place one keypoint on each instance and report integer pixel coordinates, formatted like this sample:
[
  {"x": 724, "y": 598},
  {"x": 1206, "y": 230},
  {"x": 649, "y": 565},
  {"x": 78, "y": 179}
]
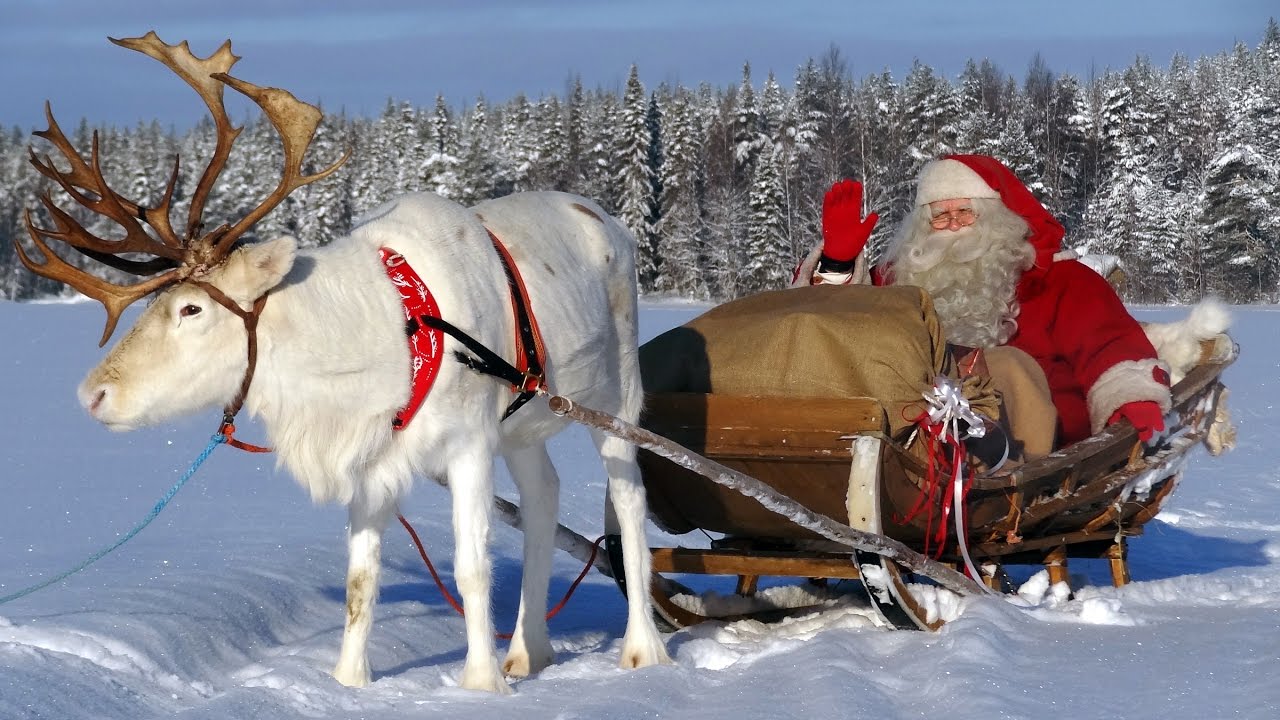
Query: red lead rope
[
  {"x": 228, "y": 431},
  {"x": 595, "y": 547}
]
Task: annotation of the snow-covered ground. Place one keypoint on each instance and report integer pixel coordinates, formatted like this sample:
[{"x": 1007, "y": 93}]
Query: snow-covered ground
[{"x": 230, "y": 604}]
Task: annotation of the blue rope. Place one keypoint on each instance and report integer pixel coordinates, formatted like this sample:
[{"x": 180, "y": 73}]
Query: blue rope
[{"x": 217, "y": 439}]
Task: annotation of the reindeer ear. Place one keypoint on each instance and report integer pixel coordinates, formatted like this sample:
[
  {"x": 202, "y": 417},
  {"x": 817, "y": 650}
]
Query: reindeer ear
[{"x": 256, "y": 268}]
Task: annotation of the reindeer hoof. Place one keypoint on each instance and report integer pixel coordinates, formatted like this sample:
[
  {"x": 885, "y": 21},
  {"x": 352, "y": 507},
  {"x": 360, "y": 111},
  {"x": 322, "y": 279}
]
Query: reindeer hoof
[
  {"x": 353, "y": 677},
  {"x": 643, "y": 653},
  {"x": 487, "y": 680},
  {"x": 524, "y": 664}
]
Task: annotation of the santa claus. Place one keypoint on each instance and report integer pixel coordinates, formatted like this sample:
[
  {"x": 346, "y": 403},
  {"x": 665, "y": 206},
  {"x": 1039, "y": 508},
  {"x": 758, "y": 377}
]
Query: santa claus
[{"x": 990, "y": 256}]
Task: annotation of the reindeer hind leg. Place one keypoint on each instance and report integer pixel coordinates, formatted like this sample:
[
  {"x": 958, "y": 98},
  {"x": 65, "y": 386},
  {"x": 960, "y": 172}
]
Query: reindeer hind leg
[
  {"x": 471, "y": 482},
  {"x": 641, "y": 644},
  {"x": 539, "y": 487}
]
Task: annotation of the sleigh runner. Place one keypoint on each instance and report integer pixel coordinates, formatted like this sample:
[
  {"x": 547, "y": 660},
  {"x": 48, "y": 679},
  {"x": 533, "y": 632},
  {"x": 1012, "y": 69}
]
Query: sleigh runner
[{"x": 855, "y": 461}]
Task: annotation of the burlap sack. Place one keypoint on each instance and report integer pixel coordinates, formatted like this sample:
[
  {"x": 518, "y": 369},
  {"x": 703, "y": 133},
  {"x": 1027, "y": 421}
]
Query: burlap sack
[
  {"x": 1028, "y": 405},
  {"x": 824, "y": 341}
]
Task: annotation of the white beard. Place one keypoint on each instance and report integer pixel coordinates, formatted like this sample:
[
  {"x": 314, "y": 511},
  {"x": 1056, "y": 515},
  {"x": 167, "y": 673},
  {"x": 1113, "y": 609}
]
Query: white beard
[{"x": 971, "y": 274}]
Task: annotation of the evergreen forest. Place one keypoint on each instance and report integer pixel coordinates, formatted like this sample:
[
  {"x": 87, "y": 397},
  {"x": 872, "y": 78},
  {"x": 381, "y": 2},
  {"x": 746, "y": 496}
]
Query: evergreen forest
[{"x": 1175, "y": 169}]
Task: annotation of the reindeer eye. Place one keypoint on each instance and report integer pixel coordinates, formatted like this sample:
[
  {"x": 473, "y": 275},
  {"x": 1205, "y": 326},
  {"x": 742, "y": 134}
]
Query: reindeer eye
[{"x": 189, "y": 310}]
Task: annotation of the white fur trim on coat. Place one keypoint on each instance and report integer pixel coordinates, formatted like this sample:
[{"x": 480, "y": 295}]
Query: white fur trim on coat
[
  {"x": 1178, "y": 343},
  {"x": 1126, "y": 382},
  {"x": 807, "y": 272}
]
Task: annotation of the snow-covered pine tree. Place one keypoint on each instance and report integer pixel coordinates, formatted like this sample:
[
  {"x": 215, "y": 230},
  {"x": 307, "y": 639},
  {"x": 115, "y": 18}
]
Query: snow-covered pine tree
[
  {"x": 680, "y": 226},
  {"x": 635, "y": 173},
  {"x": 980, "y": 120},
  {"x": 575, "y": 141},
  {"x": 1191, "y": 142},
  {"x": 1057, "y": 124},
  {"x": 931, "y": 109},
  {"x": 517, "y": 147},
  {"x": 10, "y": 210},
  {"x": 768, "y": 260},
  {"x": 20, "y": 187},
  {"x": 1125, "y": 211},
  {"x": 825, "y": 116},
  {"x": 549, "y": 169},
  {"x": 653, "y": 122},
  {"x": 888, "y": 170},
  {"x": 445, "y": 149},
  {"x": 748, "y": 142},
  {"x": 478, "y": 170},
  {"x": 601, "y": 180},
  {"x": 376, "y": 164},
  {"x": 407, "y": 133},
  {"x": 322, "y": 211},
  {"x": 1242, "y": 260},
  {"x": 251, "y": 173},
  {"x": 1241, "y": 185},
  {"x": 805, "y": 178},
  {"x": 728, "y": 215},
  {"x": 1014, "y": 148},
  {"x": 781, "y": 125}
]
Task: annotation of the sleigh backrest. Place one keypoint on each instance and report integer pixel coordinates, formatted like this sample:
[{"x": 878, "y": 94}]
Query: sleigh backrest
[{"x": 798, "y": 445}]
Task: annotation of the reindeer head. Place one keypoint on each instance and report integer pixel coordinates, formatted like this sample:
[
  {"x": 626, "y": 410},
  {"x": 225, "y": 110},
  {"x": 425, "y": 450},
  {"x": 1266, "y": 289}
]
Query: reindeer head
[{"x": 192, "y": 326}]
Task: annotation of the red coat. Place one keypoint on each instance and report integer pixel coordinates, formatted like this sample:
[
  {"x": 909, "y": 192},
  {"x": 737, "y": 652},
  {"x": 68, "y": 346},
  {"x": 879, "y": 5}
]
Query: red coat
[{"x": 1076, "y": 328}]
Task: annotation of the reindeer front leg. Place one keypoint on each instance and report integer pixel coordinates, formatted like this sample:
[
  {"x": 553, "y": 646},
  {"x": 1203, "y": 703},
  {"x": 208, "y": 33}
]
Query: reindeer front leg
[
  {"x": 471, "y": 481},
  {"x": 364, "y": 564}
]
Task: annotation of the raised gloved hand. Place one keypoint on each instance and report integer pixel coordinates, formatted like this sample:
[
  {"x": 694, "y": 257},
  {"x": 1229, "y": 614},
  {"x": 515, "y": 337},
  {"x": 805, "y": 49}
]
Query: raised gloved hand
[
  {"x": 844, "y": 231},
  {"x": 1145, "y": 416}
]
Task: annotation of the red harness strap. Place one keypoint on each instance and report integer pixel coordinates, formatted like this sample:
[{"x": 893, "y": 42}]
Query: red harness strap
[
  {"x": 426, "y": 330},
  {"x": 426, "y": 344},
  {"x": 530, "y": 354}
]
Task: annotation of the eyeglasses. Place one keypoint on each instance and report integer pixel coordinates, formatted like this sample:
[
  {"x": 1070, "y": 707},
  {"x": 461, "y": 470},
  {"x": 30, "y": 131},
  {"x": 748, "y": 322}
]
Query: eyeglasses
[{"x": 964, "y": 217}]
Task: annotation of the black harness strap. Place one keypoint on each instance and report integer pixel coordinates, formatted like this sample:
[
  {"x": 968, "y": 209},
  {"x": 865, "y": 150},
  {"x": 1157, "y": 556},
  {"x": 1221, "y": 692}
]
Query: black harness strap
[
  {"x": 484, "y": 360},
  {"x": 528, "y": 382}
]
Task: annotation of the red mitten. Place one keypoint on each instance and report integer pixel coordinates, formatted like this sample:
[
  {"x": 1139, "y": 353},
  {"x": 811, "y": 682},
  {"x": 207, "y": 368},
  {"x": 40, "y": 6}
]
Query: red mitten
[
  {"x": 844, "y": 231},
  {"x": 1145, "y": 416}
]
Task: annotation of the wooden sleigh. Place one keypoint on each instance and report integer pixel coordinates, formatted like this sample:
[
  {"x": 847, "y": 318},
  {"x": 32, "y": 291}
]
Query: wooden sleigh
[{"x": 832, "y": 460}]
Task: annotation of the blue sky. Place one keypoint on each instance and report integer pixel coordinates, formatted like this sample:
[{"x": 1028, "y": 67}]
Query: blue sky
[{"x": 355, "y": 55}]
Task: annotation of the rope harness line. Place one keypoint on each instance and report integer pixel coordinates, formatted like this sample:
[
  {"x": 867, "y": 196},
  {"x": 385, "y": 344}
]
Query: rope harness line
[
  {"x": 225, "y": 434},
  {"x": 217, "y": 439},
  {"x": 448, "y": 596}
]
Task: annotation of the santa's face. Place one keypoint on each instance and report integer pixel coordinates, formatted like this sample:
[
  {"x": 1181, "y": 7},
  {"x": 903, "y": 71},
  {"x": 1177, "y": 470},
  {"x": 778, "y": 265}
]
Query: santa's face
[
  {"x": 968, "y": 255},
  {"x": 955, "y": 233},
  {"x": 952, "y": 215},
  {"x": 950, "y": 234}
]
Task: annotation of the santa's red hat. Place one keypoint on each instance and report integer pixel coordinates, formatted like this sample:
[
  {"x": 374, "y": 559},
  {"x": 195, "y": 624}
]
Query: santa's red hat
[
  {"x": 949, "y": 179},
  {"x": 982, "y": 176}
]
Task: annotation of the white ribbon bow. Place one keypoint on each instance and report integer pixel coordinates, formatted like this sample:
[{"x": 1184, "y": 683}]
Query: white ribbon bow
[{"x": 948, "y": 407}]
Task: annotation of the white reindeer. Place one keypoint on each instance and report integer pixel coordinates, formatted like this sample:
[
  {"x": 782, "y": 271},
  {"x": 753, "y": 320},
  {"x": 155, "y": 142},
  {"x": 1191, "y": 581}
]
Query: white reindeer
[{"x": 332, "y": 361}]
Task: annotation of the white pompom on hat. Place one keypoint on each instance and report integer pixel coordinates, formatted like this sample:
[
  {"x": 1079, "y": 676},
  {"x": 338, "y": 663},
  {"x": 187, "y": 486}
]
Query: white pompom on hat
[{"x": 947, "y": 179}]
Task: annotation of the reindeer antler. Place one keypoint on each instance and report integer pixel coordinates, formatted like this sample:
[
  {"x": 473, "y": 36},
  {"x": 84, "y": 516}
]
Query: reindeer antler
[{"x": 174, "y": 257}]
